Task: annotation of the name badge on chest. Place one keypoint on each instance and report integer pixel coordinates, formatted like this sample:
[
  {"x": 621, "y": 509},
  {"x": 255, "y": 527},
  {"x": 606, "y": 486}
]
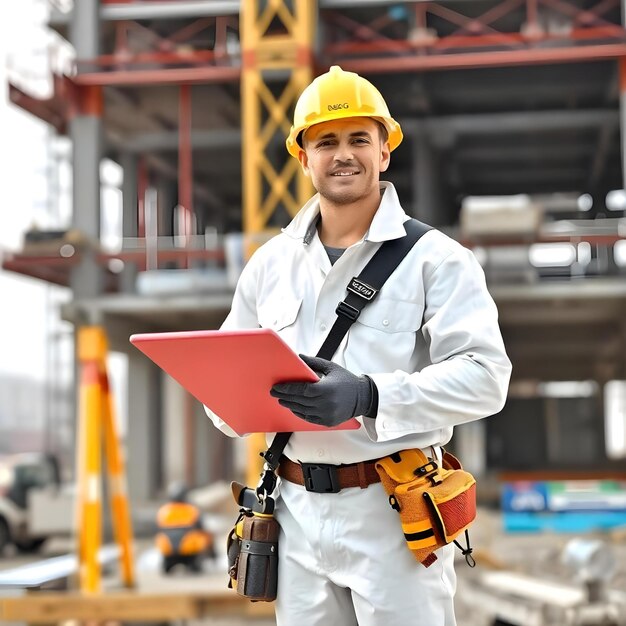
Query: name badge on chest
[{"x": 362, "y": 289}]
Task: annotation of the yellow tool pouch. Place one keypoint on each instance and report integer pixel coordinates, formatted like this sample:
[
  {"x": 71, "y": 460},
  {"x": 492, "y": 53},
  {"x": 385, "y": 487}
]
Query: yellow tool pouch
[{"x": 436, "y": 504}]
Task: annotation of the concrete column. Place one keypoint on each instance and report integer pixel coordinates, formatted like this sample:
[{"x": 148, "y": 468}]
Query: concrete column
[
  {"x": 86, "y": 133},
  {"x": 129, "y": 195},
  {"x": 622, "y": 102},
  {"x": 129, "y": 216},
  {"x": 167, "y": 195},
  {"x": 622, "y": 105},
  {"x": 471, "y": 444},
  {"x": 144, "y": 434},
  {"x": 204, "y": 442},
  {"x": 425, "y": 181},
  {"x": 174, "y": 466},
  {"x": 84, "y": 29}
]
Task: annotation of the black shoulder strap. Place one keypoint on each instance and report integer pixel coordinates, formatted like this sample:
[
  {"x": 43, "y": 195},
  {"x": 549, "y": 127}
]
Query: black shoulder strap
[
  {"x": 361, "y": 290},
  {"x": 365, "y": 287}
]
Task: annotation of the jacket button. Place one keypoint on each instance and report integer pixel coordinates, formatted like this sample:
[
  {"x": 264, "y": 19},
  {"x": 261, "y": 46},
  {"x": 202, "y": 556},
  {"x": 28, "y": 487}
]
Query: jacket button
[
  {"x": 322, "y": 326},
  {"x": 385, "y": 322}
]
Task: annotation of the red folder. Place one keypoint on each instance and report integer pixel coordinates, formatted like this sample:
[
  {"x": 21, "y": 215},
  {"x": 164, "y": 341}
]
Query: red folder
[{"x": 232, "y": 373}]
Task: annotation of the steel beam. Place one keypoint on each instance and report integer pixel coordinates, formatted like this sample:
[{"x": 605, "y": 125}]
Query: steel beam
[
  {"x": 165, "y": 76},
  {"x": 524, "y": 176},
  {"x": 545, "y": 152},
  {"x": 47, "y": 110},
  {"x": 373, "y": 65},
  {"x": 219, "y": 138},
  {"x": 115, "y": 11},
  {"x": 112, "y": 11},
  {"x": 514, "y": 122},
  {"x": 501, "y": 58}
]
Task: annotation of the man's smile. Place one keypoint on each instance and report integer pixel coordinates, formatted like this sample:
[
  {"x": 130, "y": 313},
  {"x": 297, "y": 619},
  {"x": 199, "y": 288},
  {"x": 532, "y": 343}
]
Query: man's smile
[{"x": 344, "y": 173}]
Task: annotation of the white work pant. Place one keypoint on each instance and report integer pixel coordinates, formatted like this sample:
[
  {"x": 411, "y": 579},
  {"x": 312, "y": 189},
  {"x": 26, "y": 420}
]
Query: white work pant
[{"x": 343, "y": 561}]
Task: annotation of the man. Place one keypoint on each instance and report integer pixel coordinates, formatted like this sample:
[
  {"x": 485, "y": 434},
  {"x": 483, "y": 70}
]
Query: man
[{"x": 423, "y": 356}]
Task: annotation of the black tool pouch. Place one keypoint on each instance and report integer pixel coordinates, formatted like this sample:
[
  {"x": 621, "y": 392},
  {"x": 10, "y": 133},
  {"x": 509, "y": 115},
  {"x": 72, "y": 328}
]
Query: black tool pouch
[
  {"x": 252, "y": 549},
  {"x": 257, "y": 573}
]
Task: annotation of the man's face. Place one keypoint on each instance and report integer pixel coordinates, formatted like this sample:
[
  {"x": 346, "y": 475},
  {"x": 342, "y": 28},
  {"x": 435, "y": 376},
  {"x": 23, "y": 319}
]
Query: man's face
[{"x": 344, "y": 158}]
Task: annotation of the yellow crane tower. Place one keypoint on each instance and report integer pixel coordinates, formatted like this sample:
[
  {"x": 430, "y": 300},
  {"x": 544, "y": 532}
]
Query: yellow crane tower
[{"x": 277, "y": 64}]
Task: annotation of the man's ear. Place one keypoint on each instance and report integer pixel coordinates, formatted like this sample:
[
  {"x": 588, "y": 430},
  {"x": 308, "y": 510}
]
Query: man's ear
[
  {"x": 385, "y": 156},
  {"x": 304, "y": 161}
]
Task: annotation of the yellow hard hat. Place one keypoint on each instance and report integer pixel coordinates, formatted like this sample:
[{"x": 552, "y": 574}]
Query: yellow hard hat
[{"x": 337, "y": 95}]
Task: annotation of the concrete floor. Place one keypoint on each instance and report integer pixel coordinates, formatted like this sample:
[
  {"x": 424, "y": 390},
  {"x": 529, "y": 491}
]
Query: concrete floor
[{"x": 536, "y": 555}]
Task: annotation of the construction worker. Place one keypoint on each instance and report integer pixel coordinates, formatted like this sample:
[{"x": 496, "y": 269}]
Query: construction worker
[
  {"x": 424, "y": 356},
  {"x": 181, "y": 538}
]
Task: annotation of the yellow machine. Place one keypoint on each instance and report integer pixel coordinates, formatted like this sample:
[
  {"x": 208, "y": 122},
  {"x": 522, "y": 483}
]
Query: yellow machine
[{"x": 181, "y": 538}]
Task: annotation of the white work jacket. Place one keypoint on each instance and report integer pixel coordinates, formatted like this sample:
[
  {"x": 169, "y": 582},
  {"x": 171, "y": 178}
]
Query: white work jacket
[{"x": 430, "y": 339}]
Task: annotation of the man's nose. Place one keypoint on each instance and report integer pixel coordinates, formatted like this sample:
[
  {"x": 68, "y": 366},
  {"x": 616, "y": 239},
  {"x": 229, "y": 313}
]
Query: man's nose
[{"x": 344, "y": 152}]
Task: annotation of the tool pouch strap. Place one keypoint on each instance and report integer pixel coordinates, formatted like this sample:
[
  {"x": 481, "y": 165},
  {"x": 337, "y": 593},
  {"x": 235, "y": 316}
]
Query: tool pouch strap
[{"x": 436, "y": 502}]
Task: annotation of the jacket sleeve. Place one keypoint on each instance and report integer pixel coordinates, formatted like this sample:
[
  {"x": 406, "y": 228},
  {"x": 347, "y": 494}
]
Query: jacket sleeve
[
  {"x": 469, "y": 371},
  {"x": 242, "y": 315}
]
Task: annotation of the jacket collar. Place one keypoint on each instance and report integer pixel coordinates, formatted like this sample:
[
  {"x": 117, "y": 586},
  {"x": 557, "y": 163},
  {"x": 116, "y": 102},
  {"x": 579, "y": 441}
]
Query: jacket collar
[{"x": 387, "y": 223}]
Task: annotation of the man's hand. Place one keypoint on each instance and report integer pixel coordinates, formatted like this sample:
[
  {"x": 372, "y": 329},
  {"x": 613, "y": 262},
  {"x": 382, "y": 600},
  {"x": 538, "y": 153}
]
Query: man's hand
[{"x": 335, "y": 398}]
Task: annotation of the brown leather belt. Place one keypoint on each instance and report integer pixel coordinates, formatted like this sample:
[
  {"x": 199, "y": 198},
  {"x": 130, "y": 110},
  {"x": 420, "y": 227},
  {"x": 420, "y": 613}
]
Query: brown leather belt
[{"x": 324, "y": 478}]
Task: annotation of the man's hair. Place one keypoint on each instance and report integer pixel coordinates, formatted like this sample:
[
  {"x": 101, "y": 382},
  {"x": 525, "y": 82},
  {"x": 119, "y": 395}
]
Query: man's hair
[{"x": 384, "y": 133}]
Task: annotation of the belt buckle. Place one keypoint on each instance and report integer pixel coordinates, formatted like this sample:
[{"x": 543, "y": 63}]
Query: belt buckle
[{"x": 320, "y": 477}]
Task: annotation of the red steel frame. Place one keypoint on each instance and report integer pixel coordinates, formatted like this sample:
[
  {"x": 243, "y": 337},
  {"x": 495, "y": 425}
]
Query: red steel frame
[
  {"x": 177, "y": 61},
  {"x": 473, "y": 42}
]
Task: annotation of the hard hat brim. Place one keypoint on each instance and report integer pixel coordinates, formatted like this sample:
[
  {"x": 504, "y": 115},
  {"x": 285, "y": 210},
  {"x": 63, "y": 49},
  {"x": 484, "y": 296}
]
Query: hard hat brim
[{"x": 393, "y": 129}]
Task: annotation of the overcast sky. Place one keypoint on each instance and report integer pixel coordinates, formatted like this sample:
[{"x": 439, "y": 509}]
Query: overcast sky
[
  {"x": 23, "y": 160},
  {"x": 29, "y": 308}
]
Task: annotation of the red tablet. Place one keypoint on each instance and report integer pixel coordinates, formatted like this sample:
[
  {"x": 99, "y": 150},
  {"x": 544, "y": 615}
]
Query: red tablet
[{"x": 232, "y": 373}]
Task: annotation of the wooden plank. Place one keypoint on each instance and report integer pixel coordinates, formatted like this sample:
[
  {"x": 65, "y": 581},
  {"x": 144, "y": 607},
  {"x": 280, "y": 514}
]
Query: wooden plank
[{"x": 47, "y": 607}]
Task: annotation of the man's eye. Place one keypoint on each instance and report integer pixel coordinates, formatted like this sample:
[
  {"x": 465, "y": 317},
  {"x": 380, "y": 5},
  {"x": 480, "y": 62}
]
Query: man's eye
[
  {"x": 321, "y": 144},
  {"x": 360, "y": 140}
]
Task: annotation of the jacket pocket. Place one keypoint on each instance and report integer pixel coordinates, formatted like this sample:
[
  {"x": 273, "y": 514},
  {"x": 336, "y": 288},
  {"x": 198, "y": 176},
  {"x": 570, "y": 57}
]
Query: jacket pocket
[
  {"x": 383, "y": 337},
  {"x": 279, "y": 317},
  {"x": 392, "y": 316}
]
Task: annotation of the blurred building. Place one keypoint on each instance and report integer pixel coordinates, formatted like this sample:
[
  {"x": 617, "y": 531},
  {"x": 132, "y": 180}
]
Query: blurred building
[{"x": 512, "y": 113}]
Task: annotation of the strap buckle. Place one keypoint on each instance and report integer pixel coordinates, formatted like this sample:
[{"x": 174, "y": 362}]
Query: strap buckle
[
  {"x": 429, "y": 470},
  {"x": 265, "y": 488},
  {"x": 320, "y": 478},
  {"x": 347, "y": 310}
]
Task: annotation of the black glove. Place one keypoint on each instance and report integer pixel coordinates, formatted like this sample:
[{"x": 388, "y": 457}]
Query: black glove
[{"x": 335, "y": 398}]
